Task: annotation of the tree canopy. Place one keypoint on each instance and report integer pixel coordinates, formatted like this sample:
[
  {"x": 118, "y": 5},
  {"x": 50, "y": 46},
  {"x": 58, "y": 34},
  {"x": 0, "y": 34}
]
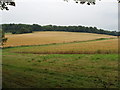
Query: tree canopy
[
  {"x": 4, "y": 4},
  {"x": 26, "y": 28},
  {"x": 89, "y": 2}
]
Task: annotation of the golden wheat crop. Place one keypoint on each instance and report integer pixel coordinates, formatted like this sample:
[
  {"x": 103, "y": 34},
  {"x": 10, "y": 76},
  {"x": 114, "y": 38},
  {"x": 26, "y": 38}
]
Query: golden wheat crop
[
  {"x": 40, "y": 38},
  {"x": 93, "y": 47}
]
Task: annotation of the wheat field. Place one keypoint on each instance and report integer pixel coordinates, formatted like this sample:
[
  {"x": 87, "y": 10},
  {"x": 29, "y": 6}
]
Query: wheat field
[
  {"x": 92, "y": 47},
  {"x": 40, "y": 38}
]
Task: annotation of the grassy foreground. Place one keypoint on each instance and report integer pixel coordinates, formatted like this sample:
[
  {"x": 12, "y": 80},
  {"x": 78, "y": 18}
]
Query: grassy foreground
[{"x": 60, "y": 70}]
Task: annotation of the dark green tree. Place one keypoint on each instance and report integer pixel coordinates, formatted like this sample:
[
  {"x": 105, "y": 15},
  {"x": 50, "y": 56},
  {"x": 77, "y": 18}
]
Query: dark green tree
[{"x": 24, "y": 28}]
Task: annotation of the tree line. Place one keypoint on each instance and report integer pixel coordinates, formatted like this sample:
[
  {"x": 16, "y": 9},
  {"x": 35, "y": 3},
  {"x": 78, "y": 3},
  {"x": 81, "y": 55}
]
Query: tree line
[{"x": 26, "y": 28}]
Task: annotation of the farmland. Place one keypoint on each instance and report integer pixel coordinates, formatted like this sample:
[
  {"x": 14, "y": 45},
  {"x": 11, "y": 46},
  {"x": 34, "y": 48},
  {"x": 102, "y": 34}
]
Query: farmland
[
  {"x": 60, "y": 60},
  {"x": 41, "y": 38},
  {"x": 88, "y": 47}
]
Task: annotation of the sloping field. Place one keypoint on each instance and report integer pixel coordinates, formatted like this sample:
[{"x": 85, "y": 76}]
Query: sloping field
[
  {"x": 40, "y": 38},
  {"x": 88, "y": 47},
  {"x": 69, "y": 60}
]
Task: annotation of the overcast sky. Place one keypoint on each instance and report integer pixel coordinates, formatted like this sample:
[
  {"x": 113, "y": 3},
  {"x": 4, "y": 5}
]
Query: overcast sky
[{"x": 103, "y": 15}]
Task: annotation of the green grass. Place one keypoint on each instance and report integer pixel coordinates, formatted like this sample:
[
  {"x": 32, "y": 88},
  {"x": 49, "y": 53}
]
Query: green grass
[
  {"x": 8, "y": 33},
  {"x": 59, "y": 70}
]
